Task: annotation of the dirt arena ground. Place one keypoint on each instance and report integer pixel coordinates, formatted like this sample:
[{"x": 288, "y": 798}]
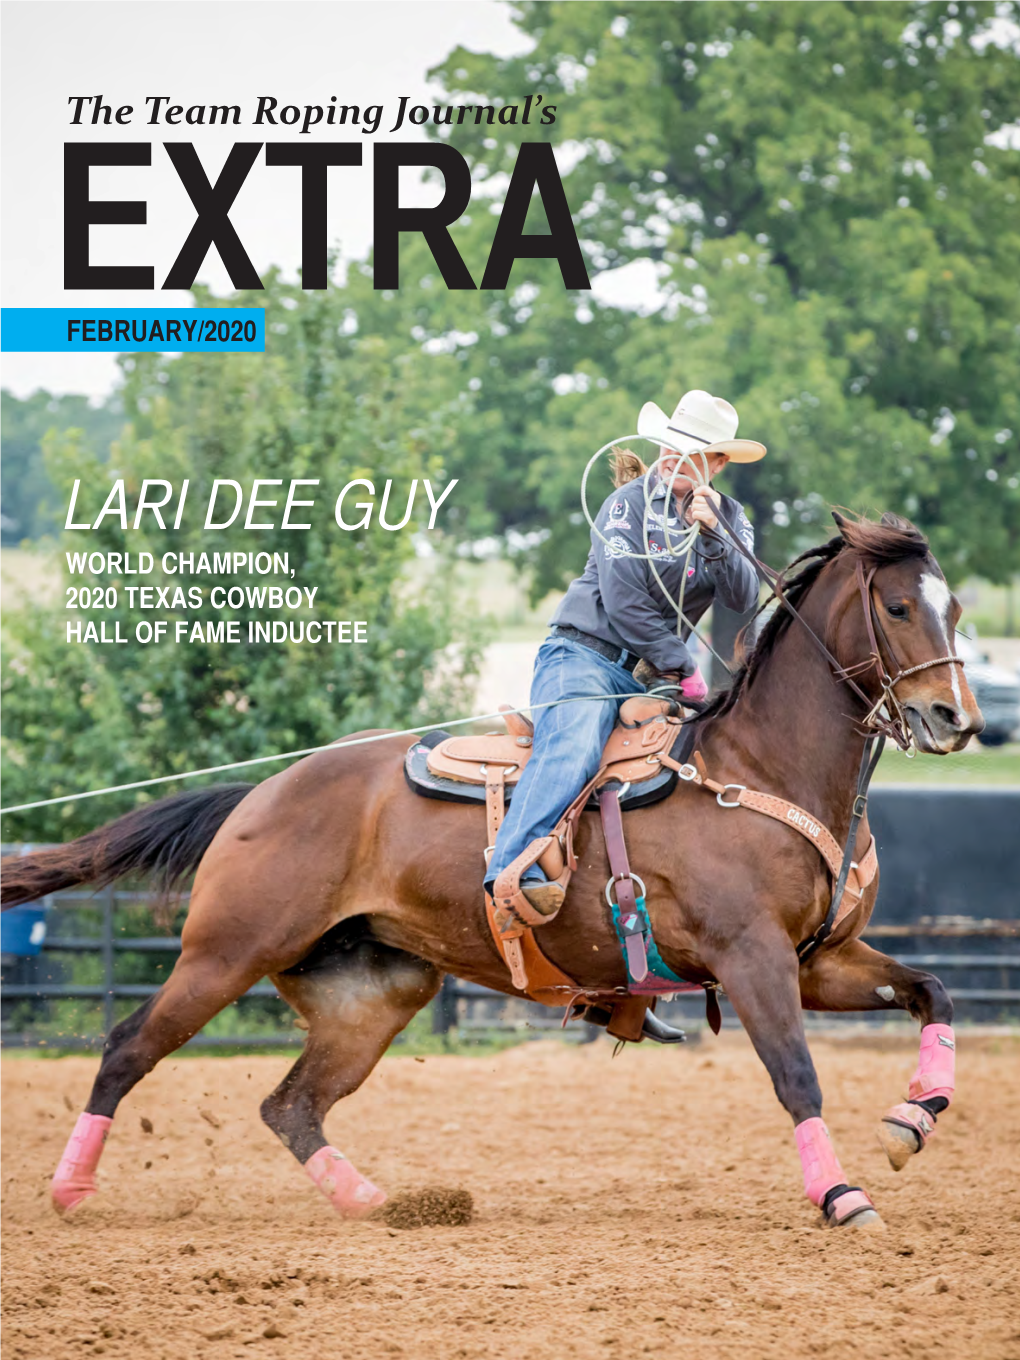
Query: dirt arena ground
[{"x": 649, "y": 1205}]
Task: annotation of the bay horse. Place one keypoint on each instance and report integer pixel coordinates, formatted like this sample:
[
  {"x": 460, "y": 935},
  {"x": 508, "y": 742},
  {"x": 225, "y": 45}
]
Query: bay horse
[{"x": 355, "y": 896}]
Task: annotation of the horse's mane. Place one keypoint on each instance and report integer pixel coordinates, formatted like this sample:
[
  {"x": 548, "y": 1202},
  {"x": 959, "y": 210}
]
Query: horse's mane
[{"x": 875, "y": 542}]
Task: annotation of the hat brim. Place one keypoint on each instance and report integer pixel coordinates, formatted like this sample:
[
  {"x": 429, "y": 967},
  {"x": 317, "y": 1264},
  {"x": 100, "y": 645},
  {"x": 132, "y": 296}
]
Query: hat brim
[
  {"x": 653, "y": 423},
  {"x": 739, "y": 450}
]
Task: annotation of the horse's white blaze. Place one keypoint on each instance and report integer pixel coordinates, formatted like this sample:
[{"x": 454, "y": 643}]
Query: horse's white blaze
[{"x": 937, "y": 597}]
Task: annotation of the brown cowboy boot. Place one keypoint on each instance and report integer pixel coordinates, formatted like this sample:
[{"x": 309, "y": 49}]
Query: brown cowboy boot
[{"x": 544, "y": 897}]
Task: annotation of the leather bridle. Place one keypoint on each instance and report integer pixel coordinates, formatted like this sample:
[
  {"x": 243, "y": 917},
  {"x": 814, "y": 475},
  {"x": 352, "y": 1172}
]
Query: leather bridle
[{"x": 894, "y": 725}]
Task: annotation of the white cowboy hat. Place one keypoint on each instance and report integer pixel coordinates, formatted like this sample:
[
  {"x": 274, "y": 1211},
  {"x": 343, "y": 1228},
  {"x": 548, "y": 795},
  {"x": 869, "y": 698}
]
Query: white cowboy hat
[{"x": 701, "y": 423}]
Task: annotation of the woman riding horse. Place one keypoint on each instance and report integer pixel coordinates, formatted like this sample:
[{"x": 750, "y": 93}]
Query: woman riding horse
[
  {"x": 354, "y": 895},
  {"x": 620, "y": 611}
]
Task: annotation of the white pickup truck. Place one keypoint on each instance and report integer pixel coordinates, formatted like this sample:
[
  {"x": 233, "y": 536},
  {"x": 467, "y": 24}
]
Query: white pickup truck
[{"x": 996, "y": 690}]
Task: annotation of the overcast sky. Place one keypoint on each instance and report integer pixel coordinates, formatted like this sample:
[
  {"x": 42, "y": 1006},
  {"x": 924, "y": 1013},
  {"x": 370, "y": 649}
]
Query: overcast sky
[{"x": 196, "y": 52}]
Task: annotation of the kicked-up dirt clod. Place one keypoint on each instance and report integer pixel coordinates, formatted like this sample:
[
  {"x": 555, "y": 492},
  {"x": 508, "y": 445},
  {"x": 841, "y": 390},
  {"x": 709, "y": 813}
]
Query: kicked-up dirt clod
[{"x": 434, "y": 1207}]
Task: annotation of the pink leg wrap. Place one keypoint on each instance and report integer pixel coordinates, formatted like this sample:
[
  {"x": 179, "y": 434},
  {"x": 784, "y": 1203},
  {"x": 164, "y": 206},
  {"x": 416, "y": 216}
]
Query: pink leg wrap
[
  {"x": 936, "y": 1064},
  {"x": 350, "y": 1194},
  {"x": 818, "y": 1158},
  {"x": 75, "y": 1177},
  {"x": 906, "y": 1128}
]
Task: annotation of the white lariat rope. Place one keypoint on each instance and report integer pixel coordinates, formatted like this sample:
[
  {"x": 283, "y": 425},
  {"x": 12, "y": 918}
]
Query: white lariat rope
[{"x": 326, "y": 746}]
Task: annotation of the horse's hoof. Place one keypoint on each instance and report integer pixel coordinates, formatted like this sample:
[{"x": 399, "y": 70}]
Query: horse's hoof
[
  {"x": 358, "y": 1197},
  {"x": 900, "y": 1143},
  {"x": 853, "y": 1209},
  {"x": 869, "y": 1219},
  {"x": 66, "y": 1196},
  {"x": 903, "y": 1132}
]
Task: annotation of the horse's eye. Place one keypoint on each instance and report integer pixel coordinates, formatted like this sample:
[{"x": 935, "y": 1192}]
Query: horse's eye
[{"x": 897, "y": 611}]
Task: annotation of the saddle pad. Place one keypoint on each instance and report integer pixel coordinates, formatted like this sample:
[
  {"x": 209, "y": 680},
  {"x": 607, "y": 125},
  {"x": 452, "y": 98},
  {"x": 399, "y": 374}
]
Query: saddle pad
[{"x": 430, "y": 785}]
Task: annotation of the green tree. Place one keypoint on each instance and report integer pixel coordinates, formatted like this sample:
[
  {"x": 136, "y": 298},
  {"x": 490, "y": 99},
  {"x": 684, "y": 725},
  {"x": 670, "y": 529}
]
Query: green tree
[
  {"x": 830, "y": 194},
  {"x": 28, "y": 497},
  {"x": 319, "y": 404},
  {"x": 495, "y": 352}
]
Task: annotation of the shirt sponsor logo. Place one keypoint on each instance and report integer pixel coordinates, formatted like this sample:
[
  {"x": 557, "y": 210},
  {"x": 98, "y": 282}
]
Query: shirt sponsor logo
[
  {"x": 656, "y": 518},
  {"x": 617, "y": 516},
  {"x": 656, "y": 549},
  {"x": 618, "y": 546}
]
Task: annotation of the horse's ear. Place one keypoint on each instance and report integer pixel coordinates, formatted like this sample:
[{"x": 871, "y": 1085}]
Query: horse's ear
[
  {"x": 841, "y": 522},
  {"x": 891, "y": 521}
]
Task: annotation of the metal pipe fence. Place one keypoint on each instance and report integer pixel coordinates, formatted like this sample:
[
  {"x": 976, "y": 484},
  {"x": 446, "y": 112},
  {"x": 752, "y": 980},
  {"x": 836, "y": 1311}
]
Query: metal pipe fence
[
  {"x": 984, "y": 981},
  {"x": 30, "y": 984}
]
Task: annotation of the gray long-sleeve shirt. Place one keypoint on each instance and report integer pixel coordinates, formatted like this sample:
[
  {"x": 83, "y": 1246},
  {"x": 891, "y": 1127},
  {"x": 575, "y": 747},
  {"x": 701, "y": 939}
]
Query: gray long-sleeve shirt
[{"x": 618, "y": 599}]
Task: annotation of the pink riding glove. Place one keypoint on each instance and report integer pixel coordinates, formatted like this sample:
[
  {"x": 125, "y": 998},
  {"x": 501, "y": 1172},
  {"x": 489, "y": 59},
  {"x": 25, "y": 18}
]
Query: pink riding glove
[{"x": 694, "y": 687}]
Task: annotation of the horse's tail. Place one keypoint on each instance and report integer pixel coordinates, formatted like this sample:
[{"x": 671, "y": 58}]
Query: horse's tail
[{"x": 164, "y": 841}]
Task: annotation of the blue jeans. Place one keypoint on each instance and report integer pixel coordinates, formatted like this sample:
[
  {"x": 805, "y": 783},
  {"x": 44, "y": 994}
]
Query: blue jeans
[{"x": 568, "y": 744}]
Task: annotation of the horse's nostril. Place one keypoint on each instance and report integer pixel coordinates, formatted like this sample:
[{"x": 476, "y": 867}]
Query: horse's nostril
[{"x": 945, "y": 713}]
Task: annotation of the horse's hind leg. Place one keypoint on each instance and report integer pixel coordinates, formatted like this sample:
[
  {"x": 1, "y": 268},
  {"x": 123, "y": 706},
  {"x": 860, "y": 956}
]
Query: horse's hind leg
[
  {"x": 356, "y": 996},
  {"x": 762, "y": 985},
  {"x": 855, "y": 977},
  {"x": 198, "y": 988}
]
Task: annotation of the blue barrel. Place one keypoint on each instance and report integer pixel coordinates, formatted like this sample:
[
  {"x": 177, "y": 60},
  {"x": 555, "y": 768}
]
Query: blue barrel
[{"x": 23, "y": 930}]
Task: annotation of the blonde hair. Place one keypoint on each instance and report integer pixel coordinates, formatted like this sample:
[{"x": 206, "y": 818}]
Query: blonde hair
[{"x": 625, "y": 466}]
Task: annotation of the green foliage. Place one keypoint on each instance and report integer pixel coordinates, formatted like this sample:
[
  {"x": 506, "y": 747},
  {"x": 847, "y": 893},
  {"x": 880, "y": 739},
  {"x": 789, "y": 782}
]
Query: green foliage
[
  {"x": 320, "y": 404},
  {"x": 838, "y": 243},
  {"x": 28, "y": 496},
  {"x": 837, "y": 239},
  {"x": 418, "y": 1040},
  {"x": 493, "y": 355},
  {"x": 978, "y": 765}
]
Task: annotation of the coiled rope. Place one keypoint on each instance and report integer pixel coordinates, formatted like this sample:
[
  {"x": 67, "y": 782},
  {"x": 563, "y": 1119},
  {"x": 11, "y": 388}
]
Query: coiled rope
[{"x": 679, "y": 543}]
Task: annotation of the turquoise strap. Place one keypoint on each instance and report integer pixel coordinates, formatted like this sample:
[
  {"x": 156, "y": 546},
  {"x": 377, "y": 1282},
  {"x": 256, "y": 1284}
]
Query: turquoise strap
[{"x": 657, "y": 969}]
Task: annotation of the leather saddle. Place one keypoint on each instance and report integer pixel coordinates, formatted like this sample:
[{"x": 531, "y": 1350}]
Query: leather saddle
[
  {"x": 485, "y": 769},
  {"x": 456, "y": 768}
]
